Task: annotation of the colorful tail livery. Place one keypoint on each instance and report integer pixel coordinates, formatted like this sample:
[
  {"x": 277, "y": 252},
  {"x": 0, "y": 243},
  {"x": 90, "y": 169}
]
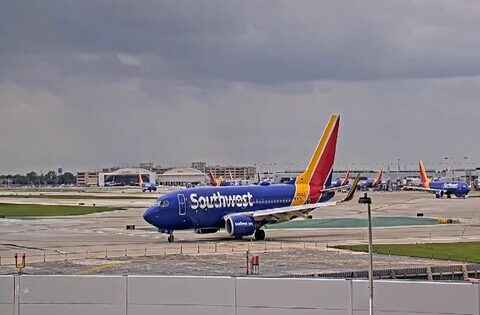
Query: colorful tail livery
[
  {"x": 423, "y": 175},
  {"x": 318, "y": 173},
  {"x": 346, "y": 179},
  {"x": 378, "y": 180},
  {"x": 440, "y": 188},
  {"x": 243, "y": 210},
  {"x": 213, "y": 181},
  {"x": 145, "y": 186}
]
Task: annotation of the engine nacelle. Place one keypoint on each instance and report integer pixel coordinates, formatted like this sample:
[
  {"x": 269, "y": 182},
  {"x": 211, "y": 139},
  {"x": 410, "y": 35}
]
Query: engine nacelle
[
  {"x": 240, "y": 225},
  {"x": 206, "y": 231},
  {"x": 439, "y": 193}
]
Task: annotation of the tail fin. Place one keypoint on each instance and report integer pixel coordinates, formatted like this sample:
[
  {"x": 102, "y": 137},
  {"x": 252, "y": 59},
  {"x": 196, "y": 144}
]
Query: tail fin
[
  {"x": 213, "y": 182},
  {"x": 346, "y": 179},
  {"x": 310, "y": 183},
  {"x": 140, "y": 180},
  {"x": 423, "y": 175},
  {"x": 378, "y": 180}
]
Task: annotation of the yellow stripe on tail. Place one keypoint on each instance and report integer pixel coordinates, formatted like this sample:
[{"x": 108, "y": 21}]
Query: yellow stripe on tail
[{"x": 302, "y": 183}]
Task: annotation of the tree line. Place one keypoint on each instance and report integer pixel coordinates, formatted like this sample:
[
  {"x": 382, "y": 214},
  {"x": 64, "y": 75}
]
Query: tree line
[{"x": 32, "y": 178}]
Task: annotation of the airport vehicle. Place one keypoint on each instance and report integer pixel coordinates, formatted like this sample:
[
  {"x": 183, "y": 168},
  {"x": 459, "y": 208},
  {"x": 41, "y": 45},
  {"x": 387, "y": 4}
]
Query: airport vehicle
[
  {"x": 244, "y": 210},
  {"x": 440, "y": 188},
  {"x": 366, "y": 183},
  {"x": 146, "y": 186}
]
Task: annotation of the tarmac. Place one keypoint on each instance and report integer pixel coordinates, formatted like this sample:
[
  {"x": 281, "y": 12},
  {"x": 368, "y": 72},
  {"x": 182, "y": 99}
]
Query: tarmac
[{"x": 83, "y": 242}]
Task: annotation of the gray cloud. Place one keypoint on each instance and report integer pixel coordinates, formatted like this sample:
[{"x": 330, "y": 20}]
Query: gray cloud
[{"x": 86, "y": 83}]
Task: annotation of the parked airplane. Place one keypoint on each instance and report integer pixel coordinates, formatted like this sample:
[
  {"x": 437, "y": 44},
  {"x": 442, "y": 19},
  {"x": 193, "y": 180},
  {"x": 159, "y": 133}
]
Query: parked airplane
[
  {"x": 440, "y": 187},
  {"x": 220, "y": 181},
  {"x": 366, "y": 183},
  {"x": 342, "y": 181},
  {"x": 244, "y": 210},
  {"x": 146, "y": 186},
  {"x": 232, "y": 182}
]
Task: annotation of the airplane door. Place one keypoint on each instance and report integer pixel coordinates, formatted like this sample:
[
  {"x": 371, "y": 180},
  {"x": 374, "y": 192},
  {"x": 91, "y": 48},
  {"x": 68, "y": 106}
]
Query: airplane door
[{"x": 182, "y": 205}]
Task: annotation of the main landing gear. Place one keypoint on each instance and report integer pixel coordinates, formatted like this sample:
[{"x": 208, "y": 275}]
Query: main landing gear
[{"x": 259, "y": 235}]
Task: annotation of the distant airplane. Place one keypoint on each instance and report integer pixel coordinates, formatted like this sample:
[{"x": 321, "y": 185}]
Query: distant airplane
[
  {"x": 342, "y": 181},
  {"x": 367, "y": 183},
  {"x": 440, "y": 188},
  {"x": 244, "y": 210},
  {"x": 146, "y": 186},
  {"x": 221, "y": 182}
]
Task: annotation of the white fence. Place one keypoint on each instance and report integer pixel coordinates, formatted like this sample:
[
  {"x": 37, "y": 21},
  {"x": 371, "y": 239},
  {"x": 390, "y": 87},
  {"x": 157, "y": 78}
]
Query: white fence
[{"x": 145, "y": 295}]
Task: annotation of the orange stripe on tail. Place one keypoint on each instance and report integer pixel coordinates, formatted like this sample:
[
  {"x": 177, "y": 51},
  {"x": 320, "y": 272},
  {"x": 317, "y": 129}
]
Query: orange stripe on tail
[
  {"x": 423, "y": 175},
  {"x": 309, "y": 183}
]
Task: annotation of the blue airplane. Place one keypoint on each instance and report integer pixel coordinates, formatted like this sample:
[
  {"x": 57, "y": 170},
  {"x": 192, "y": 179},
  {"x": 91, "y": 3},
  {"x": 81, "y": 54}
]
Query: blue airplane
[
  {"x": 440, "y": 188},
  {"x": 244, "y": 210},
  {"x": 366, "y": 183},
  {"x": 146, "y": 186}
]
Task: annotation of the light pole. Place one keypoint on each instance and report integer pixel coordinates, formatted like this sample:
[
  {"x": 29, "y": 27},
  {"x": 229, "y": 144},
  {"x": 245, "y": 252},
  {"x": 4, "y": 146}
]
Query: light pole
[{"x": 368, "y": 201}]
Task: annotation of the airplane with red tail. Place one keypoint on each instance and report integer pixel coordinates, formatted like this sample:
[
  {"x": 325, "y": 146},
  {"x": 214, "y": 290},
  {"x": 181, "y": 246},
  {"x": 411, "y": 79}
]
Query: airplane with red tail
[{"x": 244, "y": 210}]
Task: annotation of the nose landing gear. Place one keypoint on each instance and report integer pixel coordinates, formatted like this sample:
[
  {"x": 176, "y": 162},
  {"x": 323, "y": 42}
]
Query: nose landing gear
[{"x": 171, "y": 238}]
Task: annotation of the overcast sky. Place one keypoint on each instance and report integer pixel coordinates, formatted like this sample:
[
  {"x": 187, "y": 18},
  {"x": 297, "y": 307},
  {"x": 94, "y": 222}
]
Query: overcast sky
[{"x": 84, "y": 84}]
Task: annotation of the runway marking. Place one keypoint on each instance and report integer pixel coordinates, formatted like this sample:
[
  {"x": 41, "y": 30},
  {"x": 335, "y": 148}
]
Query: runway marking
[{"x": 96, "y": 269}]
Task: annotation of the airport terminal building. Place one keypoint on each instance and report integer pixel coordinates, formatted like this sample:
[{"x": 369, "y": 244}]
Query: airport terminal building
[
  {"x": 240, "y": 172},
  {"x": 181, "y": 177},
  {"x": 126, "y": 177}
]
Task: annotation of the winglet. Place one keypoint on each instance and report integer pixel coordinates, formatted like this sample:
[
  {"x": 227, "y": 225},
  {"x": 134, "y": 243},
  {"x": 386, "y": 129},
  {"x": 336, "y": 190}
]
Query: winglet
[
  {"x": 353, "y": 189},
  {"x": 423, "y": 175},
  {"x": 231, "y": 176}
]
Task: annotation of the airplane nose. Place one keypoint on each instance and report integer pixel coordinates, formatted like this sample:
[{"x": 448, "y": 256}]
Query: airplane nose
[{"x": 149, "y": 215}]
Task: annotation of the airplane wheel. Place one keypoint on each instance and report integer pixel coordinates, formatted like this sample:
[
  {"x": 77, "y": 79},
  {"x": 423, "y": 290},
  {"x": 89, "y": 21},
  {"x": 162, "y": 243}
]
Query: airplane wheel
[
  {"x": 238, "y": 237},
  {"x": 259, "y": 235},
  {"x": 171, "y": 238},
  {"x": 449, "y": 196}
]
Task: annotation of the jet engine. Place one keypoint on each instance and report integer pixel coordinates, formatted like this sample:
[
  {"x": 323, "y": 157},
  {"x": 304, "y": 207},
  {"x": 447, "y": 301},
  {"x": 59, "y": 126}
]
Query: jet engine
[
  {"x": 240, "y": 225},
  {"x": 439, "y": 193}
]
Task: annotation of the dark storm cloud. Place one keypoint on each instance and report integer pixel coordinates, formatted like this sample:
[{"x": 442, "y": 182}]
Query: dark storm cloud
[
  {"x": 89, "y": 83},
  {"x": 263, "y": 42}
]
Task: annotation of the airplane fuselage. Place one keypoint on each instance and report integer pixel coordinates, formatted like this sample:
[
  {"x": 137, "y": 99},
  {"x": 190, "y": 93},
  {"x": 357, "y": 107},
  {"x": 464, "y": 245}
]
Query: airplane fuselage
[
  {"x": 449, "y": 188},
  {"x": 206, "y": 207}
]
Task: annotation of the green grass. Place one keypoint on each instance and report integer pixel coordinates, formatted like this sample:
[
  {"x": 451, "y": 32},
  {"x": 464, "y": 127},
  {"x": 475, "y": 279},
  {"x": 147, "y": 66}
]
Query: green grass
[
  {"x": 87, "y": 197},
  {"x": 32, "y": 210},
  {"x": 466, "y": 251}
]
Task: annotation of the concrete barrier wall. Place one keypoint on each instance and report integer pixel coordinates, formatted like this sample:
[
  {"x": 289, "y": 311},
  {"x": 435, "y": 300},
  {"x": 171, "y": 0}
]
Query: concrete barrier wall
[
  {"x": 181, "y": 295},
  {"x": 72, "y": 295},
  {"x": 7, "y": 295},
  {"x": 135, "y": 295}
]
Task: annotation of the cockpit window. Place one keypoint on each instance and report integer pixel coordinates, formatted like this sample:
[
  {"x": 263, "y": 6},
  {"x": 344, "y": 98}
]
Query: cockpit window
[{"x": 163, "y": 203}]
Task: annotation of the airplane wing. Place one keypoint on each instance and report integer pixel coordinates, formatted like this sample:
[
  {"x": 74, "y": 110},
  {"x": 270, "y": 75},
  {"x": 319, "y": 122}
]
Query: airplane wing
[
  {"x": 277, "y": 215},
  {"x": 430, "y": 190},
  {"x": 283, "y": 214}
]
